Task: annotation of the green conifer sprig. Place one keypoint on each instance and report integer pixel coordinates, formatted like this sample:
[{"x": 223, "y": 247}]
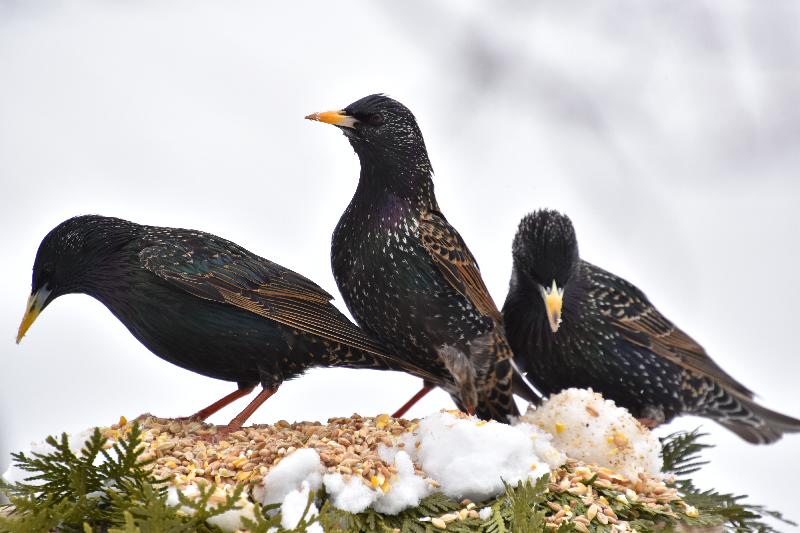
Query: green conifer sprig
[{"x": 681, "y": 454}]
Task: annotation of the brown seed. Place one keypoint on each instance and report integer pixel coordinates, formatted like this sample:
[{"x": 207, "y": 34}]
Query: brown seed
[{"x": 580, "y": 526}]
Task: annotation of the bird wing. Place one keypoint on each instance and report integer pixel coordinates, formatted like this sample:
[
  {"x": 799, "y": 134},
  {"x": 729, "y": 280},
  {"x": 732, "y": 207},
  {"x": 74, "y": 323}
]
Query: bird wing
[
  {"x": 215, "y": 269},
  {"x": 451, "y": 255},
  {"x": 640, "y": 323}
]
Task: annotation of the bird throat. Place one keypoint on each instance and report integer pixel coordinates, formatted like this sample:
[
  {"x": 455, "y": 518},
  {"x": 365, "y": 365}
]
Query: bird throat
[{"x": 383, "y": 185}]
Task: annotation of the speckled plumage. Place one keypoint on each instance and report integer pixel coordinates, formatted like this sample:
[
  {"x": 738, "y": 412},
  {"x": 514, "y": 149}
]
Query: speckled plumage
[
  {"x": 615, "y": 341},
  {"x": 406, "y": 274},
  {"x": 204, "y": 303}
]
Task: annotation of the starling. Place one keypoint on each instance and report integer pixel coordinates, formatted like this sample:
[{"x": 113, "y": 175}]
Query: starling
[
  {"x": 202, "y": 303},
  {"x": 572, "y": 324},
  {"x": 406, "y": 274}
]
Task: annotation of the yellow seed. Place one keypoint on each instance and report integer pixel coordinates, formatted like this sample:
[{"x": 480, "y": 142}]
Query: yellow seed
[
  {"x": 438, "y": 522},
  {"x": 560, "y": 427},
  {"x": 449, "y": 517},
  {"x": 381, "y": 421},
  {"x": 171, "y": 464},
  {"x": 692, "y": 512},
  {"x": 239, "y": 462},
  {"x": 122, "y": 420},
  {"x": 480, "y": 423},
  {"x": 592, "y": 511},
  {"x": 620, "y": 439},
  {"x": 580, "y": 527},
  {"x": 243, "y": 476}
]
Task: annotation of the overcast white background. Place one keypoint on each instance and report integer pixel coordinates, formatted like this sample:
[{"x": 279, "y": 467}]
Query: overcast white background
[{"x": 669, "y": 132}]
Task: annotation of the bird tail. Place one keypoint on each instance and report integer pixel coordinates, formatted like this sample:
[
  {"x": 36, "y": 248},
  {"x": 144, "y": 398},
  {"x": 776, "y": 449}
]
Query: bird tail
[
  {"x": 497, "y": 401},
  {"x": 752, "y": 422},
  {"x": 522, "y": 386},
  {"x": 760, "y": 425},
  {"x": 460, "y": 367}
]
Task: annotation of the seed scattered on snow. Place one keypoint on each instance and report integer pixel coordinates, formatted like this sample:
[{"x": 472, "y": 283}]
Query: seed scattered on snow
[{"x": 390, "y": 464}]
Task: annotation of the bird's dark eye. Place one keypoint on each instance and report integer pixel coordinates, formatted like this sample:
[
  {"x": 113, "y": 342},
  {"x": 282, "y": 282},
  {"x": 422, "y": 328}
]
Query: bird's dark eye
[{"x": 376, "y": 119}]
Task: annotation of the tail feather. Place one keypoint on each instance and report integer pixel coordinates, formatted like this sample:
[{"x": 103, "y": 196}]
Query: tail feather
[
  {"x": 496, "y": 400},
  {"x": 762, "y": 426},
  {"x": 752, "y": 422},
  {"x": 523, "y": 387}
]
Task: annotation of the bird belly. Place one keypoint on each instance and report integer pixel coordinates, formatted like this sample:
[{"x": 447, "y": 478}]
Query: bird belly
[{"x": 217, "y": 340}]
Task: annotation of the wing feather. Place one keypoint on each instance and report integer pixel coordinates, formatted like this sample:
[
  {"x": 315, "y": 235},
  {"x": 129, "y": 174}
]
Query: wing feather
[
  {"x": 643, "y": 325},
  {"x": 450, "y": 252},
  {"x": 215, "y": 269}
]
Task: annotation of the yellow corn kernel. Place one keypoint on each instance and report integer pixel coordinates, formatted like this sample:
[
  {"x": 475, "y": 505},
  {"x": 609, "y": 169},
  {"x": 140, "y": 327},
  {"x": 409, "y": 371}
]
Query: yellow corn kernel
[{"x": 381, "y": 421}]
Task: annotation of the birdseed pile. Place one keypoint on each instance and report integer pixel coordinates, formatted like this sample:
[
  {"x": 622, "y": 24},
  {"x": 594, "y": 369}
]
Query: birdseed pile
[{"x": 190, "y": 451}]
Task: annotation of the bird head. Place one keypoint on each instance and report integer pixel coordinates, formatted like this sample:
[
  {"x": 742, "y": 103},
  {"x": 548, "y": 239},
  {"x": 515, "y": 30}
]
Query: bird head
[
  {"x": 64, "y": 263},
  {"x": 545, "y": 254},
  {"x": 382, "y": 132}
]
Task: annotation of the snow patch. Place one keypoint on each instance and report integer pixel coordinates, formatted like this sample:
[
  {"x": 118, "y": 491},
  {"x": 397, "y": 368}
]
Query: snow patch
[
  {"x": 300, "y": 466},
  {"x": 405, "y": 490},
  {"x": 589, "y": 428},
  {"x": 471, "y": 458},
  {"x": 293, "y": 509},
  {"x": 350, "y": 495}
]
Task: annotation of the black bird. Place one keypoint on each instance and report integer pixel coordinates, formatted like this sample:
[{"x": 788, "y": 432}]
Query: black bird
[
  {"x": 406, "y": 274},
  {"x": 203, "y": 303},
  {"x": 572, "y": 324}
]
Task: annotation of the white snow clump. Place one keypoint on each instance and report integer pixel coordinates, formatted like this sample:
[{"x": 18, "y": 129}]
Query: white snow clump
[{"x": 589, "y": 428}]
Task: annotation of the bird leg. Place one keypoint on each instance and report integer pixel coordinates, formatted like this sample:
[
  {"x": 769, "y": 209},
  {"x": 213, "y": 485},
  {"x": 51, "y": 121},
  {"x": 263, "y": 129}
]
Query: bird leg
[
  {"x": 204, "y": 413},
  {"x": 414, "y": 399},
  {"x": 242, "y": 417}
]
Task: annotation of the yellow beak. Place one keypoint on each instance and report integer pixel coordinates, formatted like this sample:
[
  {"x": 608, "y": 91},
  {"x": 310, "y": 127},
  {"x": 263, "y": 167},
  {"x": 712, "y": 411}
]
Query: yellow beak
[
  {"x": 36, "y": 302},
  {"x": 337, "y": 118},
  {"x": 553, "y": 299}
]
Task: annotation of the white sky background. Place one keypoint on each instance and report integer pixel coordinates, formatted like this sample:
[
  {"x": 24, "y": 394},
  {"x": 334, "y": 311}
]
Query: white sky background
[{"x": 668, "y": 131}]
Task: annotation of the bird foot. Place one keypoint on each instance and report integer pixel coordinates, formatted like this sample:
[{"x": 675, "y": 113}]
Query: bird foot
[{"x": 220, "y": 434}]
